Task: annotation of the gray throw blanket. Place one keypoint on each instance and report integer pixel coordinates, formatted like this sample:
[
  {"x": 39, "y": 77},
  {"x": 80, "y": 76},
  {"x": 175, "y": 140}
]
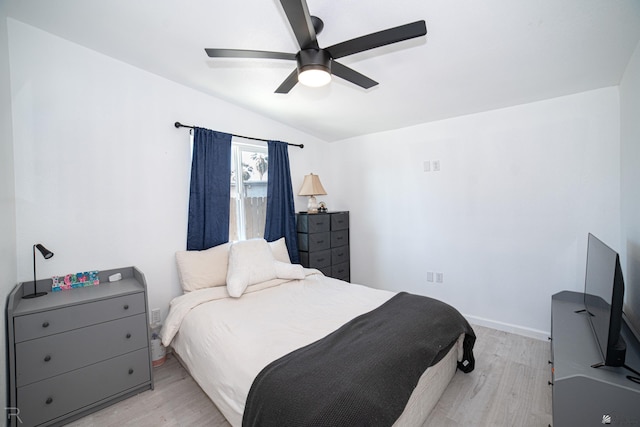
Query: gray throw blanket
[{"x": 363, "y": 373}]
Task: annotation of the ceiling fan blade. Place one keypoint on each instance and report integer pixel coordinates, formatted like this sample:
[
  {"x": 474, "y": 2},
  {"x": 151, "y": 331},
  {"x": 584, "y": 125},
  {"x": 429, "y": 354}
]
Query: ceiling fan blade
[
  {"x": 342, "y": 71},
  {"x": 299, "y": 17},
  {"x": 381, "y": 38},
  {"x": 288, "y": 83},
  {"x": 241, "y": 53}
]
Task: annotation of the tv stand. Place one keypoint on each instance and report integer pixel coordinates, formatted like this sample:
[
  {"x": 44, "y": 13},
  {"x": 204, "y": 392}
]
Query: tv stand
[
  {"x": 627, "y": 367},
  {"x": 583, "y": 395}
]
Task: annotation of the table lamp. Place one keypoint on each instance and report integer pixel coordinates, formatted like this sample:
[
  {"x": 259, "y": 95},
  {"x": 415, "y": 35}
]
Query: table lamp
[
  {"x": 311, "y": 186},
  {"x": 46, "y": 253}
]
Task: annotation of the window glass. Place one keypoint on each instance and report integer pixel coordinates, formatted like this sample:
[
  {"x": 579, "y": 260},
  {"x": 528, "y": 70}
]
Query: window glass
[{"x": 248, "y": 203}]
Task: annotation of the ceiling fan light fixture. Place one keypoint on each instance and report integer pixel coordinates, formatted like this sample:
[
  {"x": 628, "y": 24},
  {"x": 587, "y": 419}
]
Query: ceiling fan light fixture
[
  {"x": 314, "y": 67},
  {"x": 314, "y": 77}
]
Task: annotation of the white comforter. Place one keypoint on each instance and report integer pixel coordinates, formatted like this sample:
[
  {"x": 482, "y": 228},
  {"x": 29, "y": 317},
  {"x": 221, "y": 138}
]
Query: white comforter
[{"x": 226, "y": 341}]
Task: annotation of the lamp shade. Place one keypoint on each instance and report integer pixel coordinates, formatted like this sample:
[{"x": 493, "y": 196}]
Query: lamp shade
[
  {"x": 311, "y": 186},
  {"x": 46, "y": 253}
]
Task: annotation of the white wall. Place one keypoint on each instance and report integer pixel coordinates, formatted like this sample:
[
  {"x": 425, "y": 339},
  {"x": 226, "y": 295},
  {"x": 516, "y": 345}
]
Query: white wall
[
  {"x": 101, "y": 174},
  {"x": 506, "y": 219},
  {"x": 630, "y": 183},
  {"x": 7, "y": 194}
]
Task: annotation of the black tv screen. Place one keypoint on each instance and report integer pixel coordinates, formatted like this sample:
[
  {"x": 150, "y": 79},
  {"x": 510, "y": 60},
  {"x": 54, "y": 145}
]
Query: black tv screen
[{"x": 603, "y": 300}]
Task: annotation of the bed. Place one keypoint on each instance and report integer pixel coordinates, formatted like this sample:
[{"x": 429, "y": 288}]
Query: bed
[{"x": 255, "y": 331}]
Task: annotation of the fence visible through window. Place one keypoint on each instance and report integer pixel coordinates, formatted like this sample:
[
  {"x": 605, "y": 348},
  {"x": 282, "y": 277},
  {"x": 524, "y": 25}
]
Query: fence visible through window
[{"x": 255, "y": 210}]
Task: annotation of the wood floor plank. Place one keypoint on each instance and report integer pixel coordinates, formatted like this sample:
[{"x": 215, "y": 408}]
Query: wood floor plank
[{"x": 507, "y": 388}]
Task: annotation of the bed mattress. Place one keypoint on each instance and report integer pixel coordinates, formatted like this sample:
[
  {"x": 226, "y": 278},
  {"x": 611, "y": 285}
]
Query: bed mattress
[{"x": 225, "y": 342}]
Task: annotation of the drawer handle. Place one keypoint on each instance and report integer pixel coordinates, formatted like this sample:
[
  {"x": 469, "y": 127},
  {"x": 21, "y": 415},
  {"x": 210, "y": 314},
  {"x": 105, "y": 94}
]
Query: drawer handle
[
  {"x": 130, "y": 371},
  {"x": 320, "y": 259},
  {"x": 126, "y": 306},
  {"x": 128, "y": 336},
  {"x": 49, "y": 401},
  {"x": 339, "y": 238},
  {"x": 47, "y": 358},
  {"x": 320, "y": 241},
  {"x": 45, "y": 324}
]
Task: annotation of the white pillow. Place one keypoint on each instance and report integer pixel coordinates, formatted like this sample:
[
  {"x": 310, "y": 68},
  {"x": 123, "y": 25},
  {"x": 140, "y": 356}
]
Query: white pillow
[
  {"x": 250, "y": 262},
  {"x": 203, "y": 269},
  {"x": 288, "y": 271},
  {"x": 280, "y": 251}
]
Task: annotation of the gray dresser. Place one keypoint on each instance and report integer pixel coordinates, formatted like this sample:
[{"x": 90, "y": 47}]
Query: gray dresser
[
  {"x": 76, "y": 351},
  {"x": 323, "y": 243}
]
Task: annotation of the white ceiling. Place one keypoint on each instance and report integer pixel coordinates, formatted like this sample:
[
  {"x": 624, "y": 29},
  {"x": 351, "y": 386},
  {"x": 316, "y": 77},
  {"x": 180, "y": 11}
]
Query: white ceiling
[{"x": 477, "y": 55}]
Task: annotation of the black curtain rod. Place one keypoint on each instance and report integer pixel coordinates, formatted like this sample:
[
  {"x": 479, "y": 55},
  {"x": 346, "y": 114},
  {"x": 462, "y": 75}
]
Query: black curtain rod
[{"x": 180, "y": 125}]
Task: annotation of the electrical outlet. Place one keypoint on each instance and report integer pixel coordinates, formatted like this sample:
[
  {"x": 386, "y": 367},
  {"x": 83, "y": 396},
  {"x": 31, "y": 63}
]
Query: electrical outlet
[
  {"x": 155, "y": 316},
  {"x": 429, "y": 276},
  {"x": 427, "y": 166},
  {"x": 436, "y": 165},
  {"x": 439, "y": 277}
]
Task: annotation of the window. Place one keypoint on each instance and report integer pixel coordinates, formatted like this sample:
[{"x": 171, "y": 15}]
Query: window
[{"x": 248, "y": 203}]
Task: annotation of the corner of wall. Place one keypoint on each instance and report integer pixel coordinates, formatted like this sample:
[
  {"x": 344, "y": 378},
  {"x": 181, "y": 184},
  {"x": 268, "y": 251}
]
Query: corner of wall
[{"x": 7, "y": 187}]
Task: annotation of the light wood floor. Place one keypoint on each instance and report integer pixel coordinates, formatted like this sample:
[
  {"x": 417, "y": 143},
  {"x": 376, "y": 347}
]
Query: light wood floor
[{"x": 507, "y": 388}]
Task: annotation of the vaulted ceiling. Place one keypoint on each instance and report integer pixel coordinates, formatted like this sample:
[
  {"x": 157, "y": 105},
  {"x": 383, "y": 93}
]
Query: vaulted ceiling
[{"x": 476, "y": 56}]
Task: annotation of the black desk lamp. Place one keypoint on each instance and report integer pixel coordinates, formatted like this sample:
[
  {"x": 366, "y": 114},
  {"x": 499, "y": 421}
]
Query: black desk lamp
[{"x": 46, "y": 253}]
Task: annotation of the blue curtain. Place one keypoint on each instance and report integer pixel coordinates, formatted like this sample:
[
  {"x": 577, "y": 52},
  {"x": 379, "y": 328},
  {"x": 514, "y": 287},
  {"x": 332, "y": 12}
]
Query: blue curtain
[
  {"x": 281, "y": 214},
  {"x": 210, "y": 189}
]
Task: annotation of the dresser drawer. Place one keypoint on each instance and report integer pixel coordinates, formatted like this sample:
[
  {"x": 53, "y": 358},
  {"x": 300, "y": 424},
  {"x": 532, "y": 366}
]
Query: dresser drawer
[
  {"x": 340, "y": 271},
  {"x": 59, "y": 395},
  {"x": 340, "y": 221},
  {"x": 339, "y": 238},
  {"x": 56, "y": 354},
  {"x": 314, "y": 242},
  {"x": 314, "y": 223},
  {"x": 319, "y": 259},
  {"x": 340, "y": 255},
  {"x": 61, "y": 320}
]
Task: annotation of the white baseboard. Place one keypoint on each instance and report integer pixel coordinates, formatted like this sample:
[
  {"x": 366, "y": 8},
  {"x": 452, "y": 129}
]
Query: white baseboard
[{"x": 507, "y": 327}]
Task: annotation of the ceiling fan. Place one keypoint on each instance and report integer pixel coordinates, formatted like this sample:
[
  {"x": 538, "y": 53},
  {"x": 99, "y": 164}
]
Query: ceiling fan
[{"x": 315, "y": 65}]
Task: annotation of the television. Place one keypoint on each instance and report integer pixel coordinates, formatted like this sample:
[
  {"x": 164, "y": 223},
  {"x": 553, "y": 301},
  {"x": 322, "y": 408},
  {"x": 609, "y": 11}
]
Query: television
[{"x": 603, "y": 300}]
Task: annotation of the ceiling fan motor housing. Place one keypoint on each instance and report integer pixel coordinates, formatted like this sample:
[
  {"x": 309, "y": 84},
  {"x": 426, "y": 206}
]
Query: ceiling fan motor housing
[{"x": 313, "y": 59}]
